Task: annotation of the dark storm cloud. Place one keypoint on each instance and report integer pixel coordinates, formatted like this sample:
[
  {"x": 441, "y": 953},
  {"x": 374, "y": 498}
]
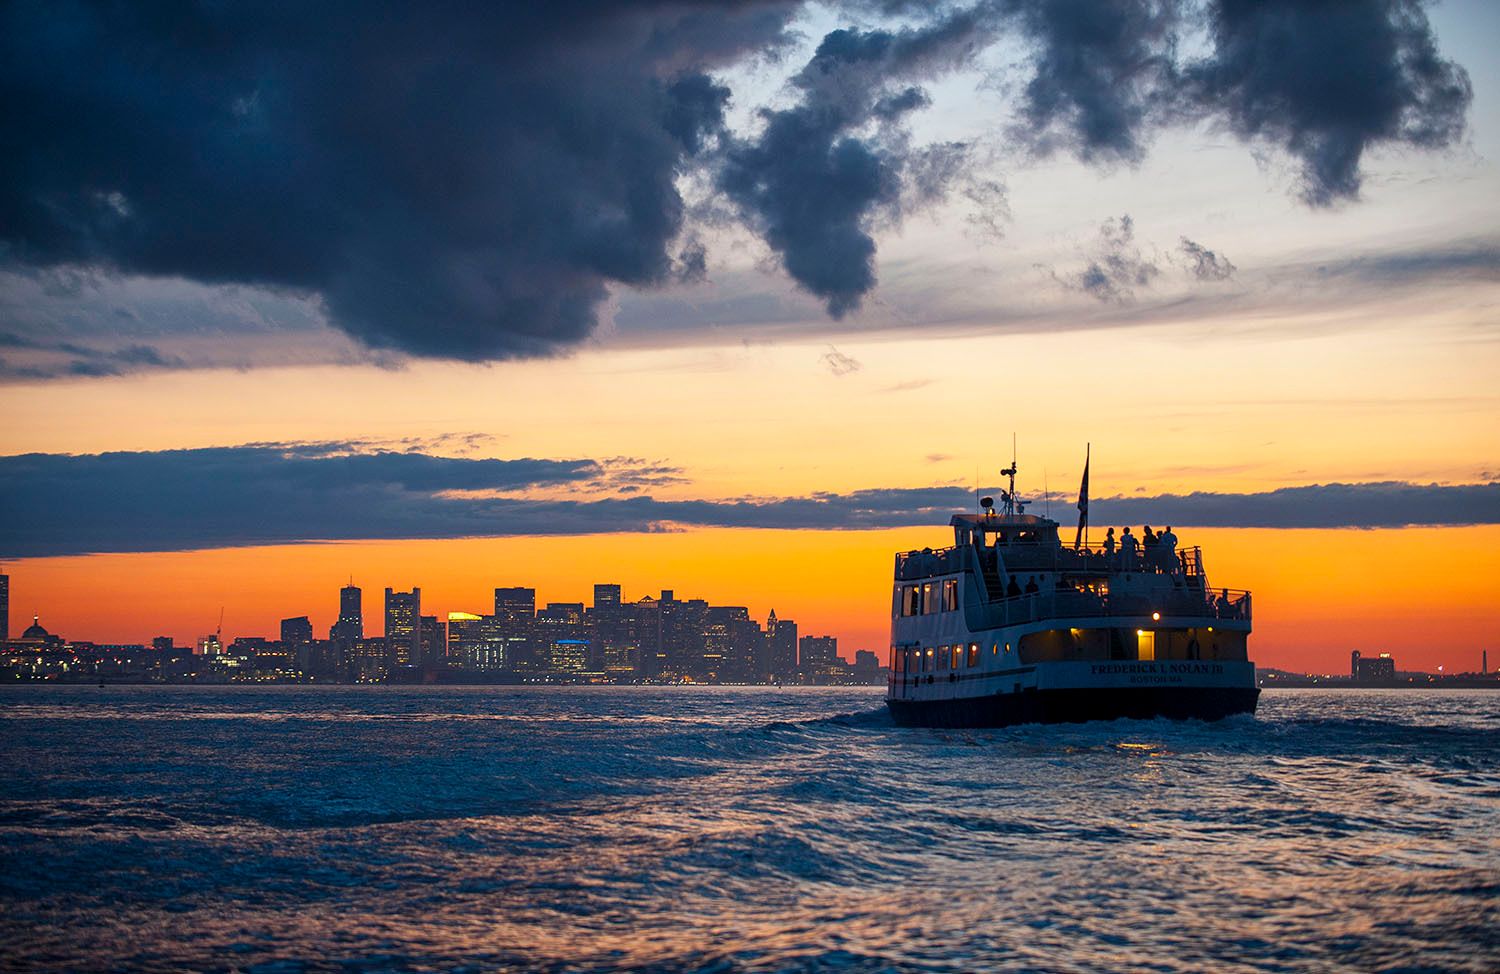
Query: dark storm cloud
[
  {"x": 468, "y": 181},
  {"x": 1204, "y": 264},
  {"x": 1328, "y": 80},
  {"x": 1102, "y": 74},
  {"x": 277, "y": 494},
  {"x": 1322, "y": 80},
  {"x": 812, "y": 183},
  {"x": 453, "y": 180}
]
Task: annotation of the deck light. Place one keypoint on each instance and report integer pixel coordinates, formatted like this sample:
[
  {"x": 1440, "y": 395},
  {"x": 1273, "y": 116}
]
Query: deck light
[{"x": 1156, "y": 617}]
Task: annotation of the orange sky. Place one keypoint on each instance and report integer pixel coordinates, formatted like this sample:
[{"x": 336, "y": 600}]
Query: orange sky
[{"x": 1425, "y": 595}]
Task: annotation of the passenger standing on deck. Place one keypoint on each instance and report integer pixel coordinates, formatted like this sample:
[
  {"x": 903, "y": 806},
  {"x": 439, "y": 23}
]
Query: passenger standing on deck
[
  {"x": 1109, "y": 546},
  {"x": 1148, "y": 548},
  {"x": 1168, "y": 542},
  {"x": 1031, "y": 586},
  {"x": 1013, "y": 590},
  {"x": 1127, "y": 549}
]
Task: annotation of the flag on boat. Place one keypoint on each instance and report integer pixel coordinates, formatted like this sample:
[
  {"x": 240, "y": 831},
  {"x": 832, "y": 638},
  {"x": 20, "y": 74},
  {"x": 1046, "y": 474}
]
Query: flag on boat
[{"x": 1083, "y": 499}]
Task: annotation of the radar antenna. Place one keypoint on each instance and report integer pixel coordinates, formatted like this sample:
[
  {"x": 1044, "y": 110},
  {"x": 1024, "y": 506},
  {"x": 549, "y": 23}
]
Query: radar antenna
[{"x": 1008, "y": 497}]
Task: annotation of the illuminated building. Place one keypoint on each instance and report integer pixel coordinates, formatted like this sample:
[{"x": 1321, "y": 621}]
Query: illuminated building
[
  {"x": 434, "y": 639},
  {"x": 1372, "y": 669},
  {"x": 814, "y": 651},
  {"x": 4, "y": 608},
  {"x": 296, "y": 631},
  {"x": 781, "y": 648},
  {"x": 209, "y": 646},
  {"x": 610, "y": 646},
  {"x": 403, "y": 620},
  {"x": 476, "y": 642},
  {"x": 514, "y": 605},
  {"x": 350, "y": 626},
  {"x": 567, "y": 655}
]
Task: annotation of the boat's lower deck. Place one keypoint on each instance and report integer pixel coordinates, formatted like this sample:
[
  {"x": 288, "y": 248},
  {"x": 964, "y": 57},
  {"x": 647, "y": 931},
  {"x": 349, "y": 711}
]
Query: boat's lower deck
[{"x": 1076, "y": 705}]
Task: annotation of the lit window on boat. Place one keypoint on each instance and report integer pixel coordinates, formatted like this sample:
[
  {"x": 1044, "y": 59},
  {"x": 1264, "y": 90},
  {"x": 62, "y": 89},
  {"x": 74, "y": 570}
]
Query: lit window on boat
[
  {"x": 929, "y": 604},
  {"x": 927, "y": 661},
  {"x": 950, "y": 595},
  {"x": 994, "y": 649},
  {"x": 973, "y": 654},
  {"x": 958, "y": 656},
  {"x": 911, "y": 600}
]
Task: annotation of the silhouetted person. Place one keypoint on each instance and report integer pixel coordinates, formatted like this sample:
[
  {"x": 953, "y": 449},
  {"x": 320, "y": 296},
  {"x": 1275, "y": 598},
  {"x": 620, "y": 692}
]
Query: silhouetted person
[
  {"x": 1109, "y": 543},
  {"x": 1031, "y": 586},
  {"x": 1167, "y": 542},
  {"x": 1127, "y": 548},
  {"x": 1222, "y": 605},
  {"x": 1012, "y": 590}
]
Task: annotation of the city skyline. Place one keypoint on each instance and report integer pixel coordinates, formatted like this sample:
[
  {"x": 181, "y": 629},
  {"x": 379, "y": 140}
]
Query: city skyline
[
  {"x": 752, "y": 297},
  {"x": 652, "y": 639}
]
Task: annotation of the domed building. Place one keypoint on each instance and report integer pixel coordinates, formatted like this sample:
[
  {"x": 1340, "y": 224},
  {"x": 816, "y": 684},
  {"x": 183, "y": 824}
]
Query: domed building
[{"x": 36, "y": 635}]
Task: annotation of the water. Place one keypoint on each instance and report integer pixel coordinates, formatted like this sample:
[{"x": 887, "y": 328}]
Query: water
[{"x": 581, "y": 829}]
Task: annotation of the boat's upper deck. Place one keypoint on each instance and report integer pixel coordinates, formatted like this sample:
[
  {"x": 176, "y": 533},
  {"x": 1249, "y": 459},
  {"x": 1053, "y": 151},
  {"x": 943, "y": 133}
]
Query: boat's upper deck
[{"x": 1019, "y": 558}]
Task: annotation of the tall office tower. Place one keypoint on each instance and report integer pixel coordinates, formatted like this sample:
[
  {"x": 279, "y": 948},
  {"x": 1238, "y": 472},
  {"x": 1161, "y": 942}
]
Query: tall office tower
[
  {"x": 403, "y": 626},
  {"x": 434, "y": 641},
  {"x": 515, "y": 604},
  {"x": 350, "y": 627},
  {"x": 781, "y": 644},
  {"x": 4, "y": 608},
  {"x": 745, "y": 647},
  {"x": 296, "y": 632},
  {"x": 723, "y": 634},
  {"x": 817, "y": 651},
  {"x": 609, "y": 634}
]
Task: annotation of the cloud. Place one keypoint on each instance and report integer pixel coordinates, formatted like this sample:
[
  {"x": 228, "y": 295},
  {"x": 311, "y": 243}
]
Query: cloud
[
  {"x": 1101, "y": 75},
  {"x": 450, "y": 181},
  {"x": 813, "y": 185},
  {"x": 1326, "y": 82},
  {"x": 1369, "y": 505},
  {"x": 1115, "y": 268},
  {"x": 840, "y": 364},
  {"x": 261, "y": 494},
  {"x": 476, "y": 182},
  {"x": 1205, "y": 265}
]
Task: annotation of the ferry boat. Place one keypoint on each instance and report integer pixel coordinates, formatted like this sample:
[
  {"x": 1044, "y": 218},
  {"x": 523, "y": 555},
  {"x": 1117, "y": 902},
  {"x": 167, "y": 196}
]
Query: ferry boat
[{"x": 1011, "y": 626}]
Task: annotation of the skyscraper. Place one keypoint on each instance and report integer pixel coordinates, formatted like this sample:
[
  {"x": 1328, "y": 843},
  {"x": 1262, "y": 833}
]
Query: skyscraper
[
  {"x": 606, "y": 596},
  {"x": 434, "y": 640},
  {"x": 515, "y": 604},
  {"x": 350, "y": 627},
  {"x": 296, "y": 632},
  {"x": 817, "y": 652},
  {"x": 4, "y": 608},
  {"x": 403, "y": 626},
  {"x": 781, "y": 647}
]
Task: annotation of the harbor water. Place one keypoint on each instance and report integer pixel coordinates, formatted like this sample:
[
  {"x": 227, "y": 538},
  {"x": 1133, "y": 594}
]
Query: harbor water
[{"x": 282, "y": 829}]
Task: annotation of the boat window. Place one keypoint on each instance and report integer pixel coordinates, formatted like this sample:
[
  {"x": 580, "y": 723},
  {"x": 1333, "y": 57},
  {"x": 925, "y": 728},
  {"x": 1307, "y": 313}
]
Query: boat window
[
  {"x": 994, "y": 649},
  {"x": 927, "y": 661},
  {"x": 950, "y": 595},
  {"x": 911, "y": 600},
  {"x": 958, "y": 655},
  {"x": 973, "y": 654},
  {"x": 943, "y": 657},
  {"x": 896, "y": 660}
]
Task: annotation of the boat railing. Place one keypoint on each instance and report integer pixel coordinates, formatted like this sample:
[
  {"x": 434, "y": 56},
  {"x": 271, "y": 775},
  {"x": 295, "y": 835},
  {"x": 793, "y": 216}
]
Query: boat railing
[
  {"x": 927, "y": 562},
  {"x": 1226, "y": 604}
]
